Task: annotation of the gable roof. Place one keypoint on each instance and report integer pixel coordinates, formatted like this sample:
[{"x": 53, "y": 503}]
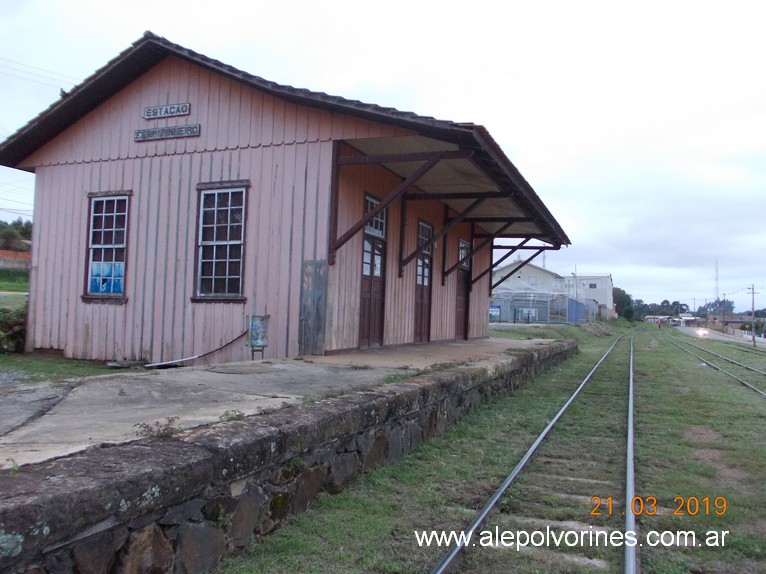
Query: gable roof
[
  {"x": 504, "y": 269},
  {"x": 151, "y": 49}
]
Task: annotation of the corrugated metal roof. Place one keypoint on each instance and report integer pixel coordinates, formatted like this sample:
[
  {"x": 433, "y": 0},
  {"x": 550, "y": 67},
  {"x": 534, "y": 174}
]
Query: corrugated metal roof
[{"x": 151, "y": 49}]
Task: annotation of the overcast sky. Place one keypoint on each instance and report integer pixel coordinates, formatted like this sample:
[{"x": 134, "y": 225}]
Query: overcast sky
[{"x": 641, "y": 126}]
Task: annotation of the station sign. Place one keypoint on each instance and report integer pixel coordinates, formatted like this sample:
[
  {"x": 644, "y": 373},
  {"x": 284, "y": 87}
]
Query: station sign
[
  {"x": 170, "y": 132},
  {"x": 167, "y": 111}
]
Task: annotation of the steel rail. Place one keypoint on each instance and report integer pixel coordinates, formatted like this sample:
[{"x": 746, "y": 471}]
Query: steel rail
[
  {"x": 629, "y": 566},
  {"x": 749, "y": 368},
  {"x": 717, "y": 368},
  {"x": 446, "y": 561}
]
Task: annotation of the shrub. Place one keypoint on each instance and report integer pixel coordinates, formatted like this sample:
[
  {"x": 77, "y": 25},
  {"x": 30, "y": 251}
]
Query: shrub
[{"x": 13, "y": 329}]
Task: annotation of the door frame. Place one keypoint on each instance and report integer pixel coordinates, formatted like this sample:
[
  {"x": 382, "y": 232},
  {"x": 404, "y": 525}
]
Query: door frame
[{"x": 375, "y": 234}]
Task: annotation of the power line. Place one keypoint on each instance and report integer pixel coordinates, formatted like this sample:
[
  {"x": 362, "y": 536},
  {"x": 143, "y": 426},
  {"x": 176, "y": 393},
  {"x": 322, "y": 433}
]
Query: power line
[
  {"x": 34, "y": 81},
  {"x": 47, "y": 72},
  {"x": 23, "y": 212},
  {"x": 10, "y": 185},
  {"x": 17, "y": 195},
  {"x": 15, "y": 201}
]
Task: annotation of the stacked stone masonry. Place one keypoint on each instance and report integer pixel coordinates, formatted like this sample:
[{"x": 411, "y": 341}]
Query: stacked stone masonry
[{"x": 179, "y": 505}]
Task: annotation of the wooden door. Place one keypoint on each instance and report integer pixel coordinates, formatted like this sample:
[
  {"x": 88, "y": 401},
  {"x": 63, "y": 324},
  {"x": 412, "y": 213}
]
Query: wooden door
[
  {"x": 423, "y": 283},
  {"x": 373, "y": 292},
  {"x": 461, "y": 304},
  {"x": 423, "y": 299}
]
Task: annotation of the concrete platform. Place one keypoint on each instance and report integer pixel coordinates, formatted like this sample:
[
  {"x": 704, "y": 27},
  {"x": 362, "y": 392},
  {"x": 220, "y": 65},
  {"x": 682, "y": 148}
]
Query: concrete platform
[
  {"x": 180, "y": 503},
  {"x": 43, "y": 421}
]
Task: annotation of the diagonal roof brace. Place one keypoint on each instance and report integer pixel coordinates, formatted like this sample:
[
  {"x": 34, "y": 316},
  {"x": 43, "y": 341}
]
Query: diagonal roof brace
[
  {"x": 519, "y": 266},
  {"x": 474, "y": 250},
  {"x": 513, "y": 250},
  {"x": 444, "y": 230},
  {"x": 495, "y": 264},
  {"x": 401, "y": 189}
]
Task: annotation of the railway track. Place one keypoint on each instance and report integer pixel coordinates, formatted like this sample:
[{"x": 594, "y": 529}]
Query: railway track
[
  {"x": 565, "y": 497},
  {"x": 698, "y": 496},
  {"x": 746, "y": 371}
]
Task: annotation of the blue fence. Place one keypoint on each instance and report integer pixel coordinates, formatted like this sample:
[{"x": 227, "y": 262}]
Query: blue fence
[{"x": 530, "y": 307}]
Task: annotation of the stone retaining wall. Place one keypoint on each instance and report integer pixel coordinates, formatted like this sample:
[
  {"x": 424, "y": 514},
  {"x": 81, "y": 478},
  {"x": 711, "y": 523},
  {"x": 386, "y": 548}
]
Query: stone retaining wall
[{"x": 180, "y": 504}]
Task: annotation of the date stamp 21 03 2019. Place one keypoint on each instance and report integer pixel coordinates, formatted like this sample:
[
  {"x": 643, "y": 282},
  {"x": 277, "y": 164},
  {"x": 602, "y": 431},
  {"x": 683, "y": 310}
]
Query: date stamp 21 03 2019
[{"x": 648, "y": 506}]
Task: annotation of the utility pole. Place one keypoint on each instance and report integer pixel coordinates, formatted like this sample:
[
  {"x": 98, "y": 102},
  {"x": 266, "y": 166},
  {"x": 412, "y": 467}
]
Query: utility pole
[
  {"x": 752, "y": 293},
  {"x": 716, "y": 281}
]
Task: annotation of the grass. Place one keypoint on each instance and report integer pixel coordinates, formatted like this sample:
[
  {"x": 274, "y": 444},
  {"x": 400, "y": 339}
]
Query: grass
[
  {"x": 397, "y": 377},
  {"x": 369, "y": 527},
  {"x": 14, "y": 284},
  {"x": 15, "y": 280},
  {"x": 37, "y": 367},
  {"x": 13, "y": 300},
  {"x": 697, "y": 435},
  {"x": 701, "y": 436}
]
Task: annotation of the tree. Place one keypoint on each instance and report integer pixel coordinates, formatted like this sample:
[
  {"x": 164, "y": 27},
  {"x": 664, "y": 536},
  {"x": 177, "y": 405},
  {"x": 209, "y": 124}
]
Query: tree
[
  {"x": 716, "y": 308},
  {"x": 24, "y": 228},
  {"x": 679, "y": 308},
  {"x": 9, "y": 238},
  {"x": 623, "y": 303},
  {"x": 12, "y": 234}
]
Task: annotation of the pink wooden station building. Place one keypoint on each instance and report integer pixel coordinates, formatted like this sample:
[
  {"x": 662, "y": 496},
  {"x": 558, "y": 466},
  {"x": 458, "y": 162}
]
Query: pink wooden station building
[{"x": 176, "y": 196}]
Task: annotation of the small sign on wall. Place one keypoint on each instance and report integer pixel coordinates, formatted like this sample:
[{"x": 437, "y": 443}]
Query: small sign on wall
[
  {"x": 170, "y": 132},
  {"x": 167, "y": 132},
  {"x": 167, "y": 111},
  {"x": 258, "y": 333}
]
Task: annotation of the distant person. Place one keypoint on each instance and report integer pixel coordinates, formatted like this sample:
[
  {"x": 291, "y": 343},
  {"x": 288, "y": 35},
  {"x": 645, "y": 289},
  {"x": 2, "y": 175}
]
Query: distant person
[{"x": 659, "y": 324}]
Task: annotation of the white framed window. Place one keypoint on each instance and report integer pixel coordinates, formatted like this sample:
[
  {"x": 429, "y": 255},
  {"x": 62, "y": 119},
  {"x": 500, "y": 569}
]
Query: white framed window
[
  {"x": 423, "y": 274},
  {"x": 220, "y": 242},
  {"x": 425, "y": 234},
  {"x": 463, "y": 249},
  {"x": 107, "y": 245},
  {"x": 377, "y": 225}
]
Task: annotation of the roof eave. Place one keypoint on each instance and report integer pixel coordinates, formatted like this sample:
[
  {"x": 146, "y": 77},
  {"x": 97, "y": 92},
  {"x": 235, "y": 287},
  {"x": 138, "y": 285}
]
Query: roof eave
[
  {"x": 75, "y": 104},
  {"x": 528, "y": 195}
]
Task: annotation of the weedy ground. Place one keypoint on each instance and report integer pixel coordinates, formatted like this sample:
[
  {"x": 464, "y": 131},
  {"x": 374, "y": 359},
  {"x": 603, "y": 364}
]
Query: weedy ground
[{"x": 698, "y": 435}]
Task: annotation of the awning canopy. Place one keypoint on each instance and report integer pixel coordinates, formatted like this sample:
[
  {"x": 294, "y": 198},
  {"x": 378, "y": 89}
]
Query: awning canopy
[{"x": 471, "y": 178}]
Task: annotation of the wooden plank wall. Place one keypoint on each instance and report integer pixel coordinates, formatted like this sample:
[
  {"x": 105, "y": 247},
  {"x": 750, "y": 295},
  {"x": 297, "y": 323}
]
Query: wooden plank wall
[
  {"x": 283, "y": 149},
  {"x": 342, "y": 330}
]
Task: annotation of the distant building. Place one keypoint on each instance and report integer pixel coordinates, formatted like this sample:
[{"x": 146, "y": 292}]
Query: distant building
[
  {"x": 535, "y": 294},
  {"x": 14, "y": 259},
  {"x": 597, "y": 287},
  {"x": 529, "y": 278},
  {"x": 689, "y": 320}
]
